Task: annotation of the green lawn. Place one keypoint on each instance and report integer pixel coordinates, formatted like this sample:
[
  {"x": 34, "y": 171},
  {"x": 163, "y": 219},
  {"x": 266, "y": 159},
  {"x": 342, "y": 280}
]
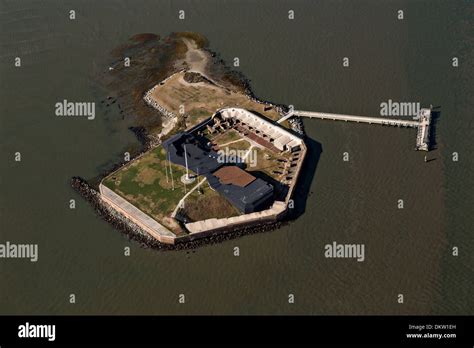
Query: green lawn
[{"x": 143, "y": 182}]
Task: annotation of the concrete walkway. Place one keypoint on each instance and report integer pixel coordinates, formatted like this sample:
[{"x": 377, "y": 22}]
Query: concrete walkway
[
  {"x": 181, "y": 202},
  {"x": 230, "y": 142}
]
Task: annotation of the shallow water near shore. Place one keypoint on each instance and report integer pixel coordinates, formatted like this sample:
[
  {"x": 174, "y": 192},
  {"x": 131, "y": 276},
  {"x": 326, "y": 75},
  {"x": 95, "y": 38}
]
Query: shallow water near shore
[{"x": 407, "y": 251}]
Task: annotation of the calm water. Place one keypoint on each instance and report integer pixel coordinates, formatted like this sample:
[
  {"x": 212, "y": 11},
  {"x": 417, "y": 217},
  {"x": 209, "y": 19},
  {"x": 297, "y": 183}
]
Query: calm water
[{"x": 294, "y": 62}]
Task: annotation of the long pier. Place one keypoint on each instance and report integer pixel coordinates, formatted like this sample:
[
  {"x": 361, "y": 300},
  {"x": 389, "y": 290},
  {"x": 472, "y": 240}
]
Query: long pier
[{"x": 423, "y": 123}]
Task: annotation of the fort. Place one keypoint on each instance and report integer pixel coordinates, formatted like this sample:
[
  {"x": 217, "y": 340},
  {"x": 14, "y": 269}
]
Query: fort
[
  {"x": 248, "y": 196},
  {"x": 215, "y": 160}
]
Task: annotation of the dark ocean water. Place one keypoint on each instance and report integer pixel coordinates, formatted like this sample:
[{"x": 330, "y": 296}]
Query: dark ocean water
[{"x": 295, "y": 62}]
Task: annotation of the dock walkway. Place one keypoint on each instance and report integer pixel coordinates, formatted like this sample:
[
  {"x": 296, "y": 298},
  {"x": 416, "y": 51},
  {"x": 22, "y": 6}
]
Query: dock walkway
[{"x": 423, "y": 124}]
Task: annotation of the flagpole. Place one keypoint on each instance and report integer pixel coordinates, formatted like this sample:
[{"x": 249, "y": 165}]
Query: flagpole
[
  {"x": 186, "y": 161},
  {"x": 166, "y": 170},
  {"x": 171, "y": 171}
]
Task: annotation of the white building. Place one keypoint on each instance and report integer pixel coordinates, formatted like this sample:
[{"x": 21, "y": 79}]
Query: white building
[{"x": 275, "y": 134}]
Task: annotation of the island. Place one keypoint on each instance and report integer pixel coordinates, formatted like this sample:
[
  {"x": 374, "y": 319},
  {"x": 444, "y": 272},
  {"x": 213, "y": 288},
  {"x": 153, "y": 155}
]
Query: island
[{"x": 214, "y": 160}]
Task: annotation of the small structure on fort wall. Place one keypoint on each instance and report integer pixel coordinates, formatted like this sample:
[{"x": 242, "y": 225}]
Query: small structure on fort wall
[{"x": 263, "y": 131}]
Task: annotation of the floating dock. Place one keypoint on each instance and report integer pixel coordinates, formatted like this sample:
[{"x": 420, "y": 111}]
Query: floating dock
[{"x": 422, "y": 123}]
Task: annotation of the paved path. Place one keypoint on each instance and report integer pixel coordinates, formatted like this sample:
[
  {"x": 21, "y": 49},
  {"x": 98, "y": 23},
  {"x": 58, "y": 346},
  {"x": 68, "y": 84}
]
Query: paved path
[
  {"x": 181, "y": 202},
  {"x": 230, "y": 142}
]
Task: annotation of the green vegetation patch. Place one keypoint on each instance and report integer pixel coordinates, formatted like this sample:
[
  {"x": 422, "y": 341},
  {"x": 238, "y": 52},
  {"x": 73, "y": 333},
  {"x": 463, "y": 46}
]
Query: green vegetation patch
[{"x": 147, "y": 184}]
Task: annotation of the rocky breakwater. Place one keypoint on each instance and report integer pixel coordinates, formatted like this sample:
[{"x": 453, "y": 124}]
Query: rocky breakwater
[
  {"x": 296, "y": 124},
  {"x": 136, "y": 233},
  {"x": 154, "y": 104},
  {"x": 169, "y": 118},
  {"x": 120, "y": 222},
  {"x": 147, "y": 140}
]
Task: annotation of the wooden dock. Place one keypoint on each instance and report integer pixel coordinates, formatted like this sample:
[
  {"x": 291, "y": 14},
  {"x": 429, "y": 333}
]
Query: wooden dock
[{"x": 422, "y": 124}]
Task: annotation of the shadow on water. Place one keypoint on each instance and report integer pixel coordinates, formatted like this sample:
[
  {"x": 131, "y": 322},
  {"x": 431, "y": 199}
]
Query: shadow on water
[
  {"x": 435, "y": 115},
  {"x": 303, "y": 186}
]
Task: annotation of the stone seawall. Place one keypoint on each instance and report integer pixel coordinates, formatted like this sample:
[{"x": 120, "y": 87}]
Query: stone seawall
[
  {"x": 202, "y": 228},
  {"x": 301, "y": 159},
  {"x": 230, "y": 232},
  {"x": 153, "y": 103},
  {"x": 132, "y": 213},
  {"x": 111, "y": 215},
  {"x": 134, "y": 232}
]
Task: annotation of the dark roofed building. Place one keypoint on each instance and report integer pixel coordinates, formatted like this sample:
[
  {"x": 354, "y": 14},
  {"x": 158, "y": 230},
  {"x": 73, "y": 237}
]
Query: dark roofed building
[
  {"x": 243, "y": 190},
  {"x": 201, "y": 158}
]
